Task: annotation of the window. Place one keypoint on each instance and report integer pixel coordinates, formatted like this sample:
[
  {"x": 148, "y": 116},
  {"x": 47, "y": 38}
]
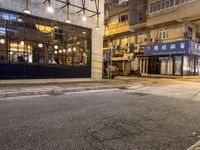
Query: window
[
  {"x": 160, "y": 5},
  {"x": 33, "y": 40},
  {"x": 163, "y": 34},
  {"x": 123, "y": 18},
  {"x": 140, "y": 17}
]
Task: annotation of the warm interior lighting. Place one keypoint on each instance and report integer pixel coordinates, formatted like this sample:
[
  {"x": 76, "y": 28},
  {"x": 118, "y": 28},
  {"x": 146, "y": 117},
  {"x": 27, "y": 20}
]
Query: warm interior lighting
[
  {"x": 56, "y": 52},
  {"x": 64, "y": 50},
  {"x": 56, "y": 46},
  {"x": 69, "y": 50},
  {"x": 22, "y": 43},
  {"x": 2, "y": 41},
  {"x": 40, "y": 45},
  {"x": 60, "y": 51},
  {"x": 74, "y": 49}
]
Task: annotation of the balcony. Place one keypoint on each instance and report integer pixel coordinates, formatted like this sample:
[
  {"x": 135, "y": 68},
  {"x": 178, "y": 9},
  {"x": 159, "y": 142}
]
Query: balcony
[{"x": 118, "y": 28}]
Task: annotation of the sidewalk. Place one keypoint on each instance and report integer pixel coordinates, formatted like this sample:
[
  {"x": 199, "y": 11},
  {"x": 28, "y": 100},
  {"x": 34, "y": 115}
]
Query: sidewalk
[{"x": 13, "y": 88}]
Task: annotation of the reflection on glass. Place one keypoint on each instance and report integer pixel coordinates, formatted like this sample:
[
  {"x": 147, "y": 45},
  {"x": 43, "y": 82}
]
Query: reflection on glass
[{"x": 41, "y": 41}]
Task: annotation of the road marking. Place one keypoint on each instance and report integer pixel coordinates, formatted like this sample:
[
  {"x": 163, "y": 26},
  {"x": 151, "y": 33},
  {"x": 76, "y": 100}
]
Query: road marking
[
  {"x": 90, "y": 91},
  {"x": 196, "y": 146}
]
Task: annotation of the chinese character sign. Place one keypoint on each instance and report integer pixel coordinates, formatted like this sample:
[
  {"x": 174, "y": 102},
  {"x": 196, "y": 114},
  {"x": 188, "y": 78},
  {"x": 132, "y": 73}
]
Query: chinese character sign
[{"x": 179, "y": 47}]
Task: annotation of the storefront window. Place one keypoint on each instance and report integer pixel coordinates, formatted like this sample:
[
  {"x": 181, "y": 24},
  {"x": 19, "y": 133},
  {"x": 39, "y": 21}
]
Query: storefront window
[{"x": 34, "y": 40}]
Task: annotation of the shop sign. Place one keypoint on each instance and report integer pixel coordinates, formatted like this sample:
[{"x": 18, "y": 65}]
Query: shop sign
[
  {"x": 194, "y": 48},
  {"x": 179, "y": 47}
]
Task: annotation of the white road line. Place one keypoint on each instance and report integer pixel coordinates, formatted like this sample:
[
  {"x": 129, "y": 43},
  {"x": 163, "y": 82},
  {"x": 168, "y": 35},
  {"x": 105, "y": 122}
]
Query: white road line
[{"x": 196, "y": 146}]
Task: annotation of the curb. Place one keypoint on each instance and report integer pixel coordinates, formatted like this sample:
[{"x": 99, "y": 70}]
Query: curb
[{"x": 55, "y": 92}]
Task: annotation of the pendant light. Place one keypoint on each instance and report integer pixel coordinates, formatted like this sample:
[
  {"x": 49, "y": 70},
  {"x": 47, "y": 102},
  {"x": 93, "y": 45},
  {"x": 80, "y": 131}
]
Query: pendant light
[{"x": 27, "y": 11}]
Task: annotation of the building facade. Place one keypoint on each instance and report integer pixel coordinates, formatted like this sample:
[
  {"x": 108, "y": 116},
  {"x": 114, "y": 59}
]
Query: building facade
[
  {"x": 174, "y": 37},
  {"x": 126, "y": 42},
  {"x": 158, "y": 37},
  {"x": 54, "y": 43}
]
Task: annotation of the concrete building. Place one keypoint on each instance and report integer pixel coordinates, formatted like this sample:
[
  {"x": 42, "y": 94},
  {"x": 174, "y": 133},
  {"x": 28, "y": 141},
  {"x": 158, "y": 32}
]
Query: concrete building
[
  {"x": 174, "y": 27},
  {"x": 40, "y": 44},
  {"x": 127, "y": 41}
]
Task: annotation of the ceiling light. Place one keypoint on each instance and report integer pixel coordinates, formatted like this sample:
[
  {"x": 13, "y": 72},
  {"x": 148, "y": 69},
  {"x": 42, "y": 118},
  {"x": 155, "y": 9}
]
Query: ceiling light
[
  {"x": 19, "y": 20},
  {"x": 50, "y": 9},
  {"x": 84, "y": 18},
  {"x": 68, "y": 21},
  {"x": 74, "y": 49},
  {"x": 56, "y": 52},
  {"x": 60, "y": 51},
  {"x": 22, "y": 43},
  {"x": 2, "y": 41},
  {"x": 40, "y": 45},
  {"x": 56, "y": 46},
  {"x": 27, "y": 11},
  {"x": 69, "y": 50},
  {"x": 64, "y": 50},
  {"x": 84, "y": 32},
  {"x": 97, "y": 28}
]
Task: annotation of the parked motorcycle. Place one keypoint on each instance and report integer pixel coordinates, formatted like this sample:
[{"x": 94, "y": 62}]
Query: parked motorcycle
[{"x": 135, "y": 73}]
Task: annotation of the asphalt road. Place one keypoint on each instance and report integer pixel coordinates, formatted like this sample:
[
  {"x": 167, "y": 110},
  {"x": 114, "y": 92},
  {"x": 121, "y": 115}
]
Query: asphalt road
[{"x": 153, "y": 117}]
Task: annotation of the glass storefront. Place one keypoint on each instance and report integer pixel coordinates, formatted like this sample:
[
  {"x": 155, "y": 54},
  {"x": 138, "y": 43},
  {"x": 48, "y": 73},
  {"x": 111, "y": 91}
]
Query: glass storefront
[{"x": 32, "y": 40}]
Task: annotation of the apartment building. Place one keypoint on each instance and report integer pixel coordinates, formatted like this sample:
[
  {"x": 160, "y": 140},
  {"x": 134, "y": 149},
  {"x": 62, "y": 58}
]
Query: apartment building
[
  {"x": 174, "y": 34},
  {"x": 120, "y": 15}
]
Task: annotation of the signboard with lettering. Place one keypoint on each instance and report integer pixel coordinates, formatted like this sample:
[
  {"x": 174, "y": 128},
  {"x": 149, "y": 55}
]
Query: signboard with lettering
[
  {"x": 194, "y": 48},
  {"x": 179, "y": 47}
]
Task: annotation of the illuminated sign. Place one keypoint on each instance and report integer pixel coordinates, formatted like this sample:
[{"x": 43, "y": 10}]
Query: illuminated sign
[{"x": 179, "y": 47}]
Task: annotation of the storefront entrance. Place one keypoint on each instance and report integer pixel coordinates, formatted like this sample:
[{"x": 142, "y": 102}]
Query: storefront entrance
[{"x": 166, "y": 65}]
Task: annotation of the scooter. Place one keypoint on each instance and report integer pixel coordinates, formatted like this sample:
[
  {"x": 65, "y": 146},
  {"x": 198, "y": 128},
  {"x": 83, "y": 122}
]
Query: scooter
[{"x": 135, "y": 73}]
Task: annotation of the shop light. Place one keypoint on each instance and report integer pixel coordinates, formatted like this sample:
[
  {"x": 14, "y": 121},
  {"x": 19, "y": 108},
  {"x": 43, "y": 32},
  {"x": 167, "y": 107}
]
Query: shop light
[
  {"x": 84, "y": 32},
  {"x": 2, "y": 41},
  {"x": 69, "y": 50},
  {"x": 64, "y": 50},
  {"x": 27, "y": 11},
  {"x": 50, "y": 9},
  {"x": 97, "y": 28},
  {"x": 68, "y": 21},
  {"x": 56, "y": 27},
  {"x": 74, "y": 49},
  {"x": 56, "y": 52},
  {"x": 84, "y": 18},
  {"x": 19, "y": 20},
  {"x": 55, "y": 46},
  {"x": 60, "y": 51},
  {"x": 22, "y": 43},
  {"x": 40, "y": 45}
]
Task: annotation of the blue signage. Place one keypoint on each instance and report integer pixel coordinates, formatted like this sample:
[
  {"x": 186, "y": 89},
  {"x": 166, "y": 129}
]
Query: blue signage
[
  {"x": 179, "y": 47},
  {"x": 194, "y": 48}
]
